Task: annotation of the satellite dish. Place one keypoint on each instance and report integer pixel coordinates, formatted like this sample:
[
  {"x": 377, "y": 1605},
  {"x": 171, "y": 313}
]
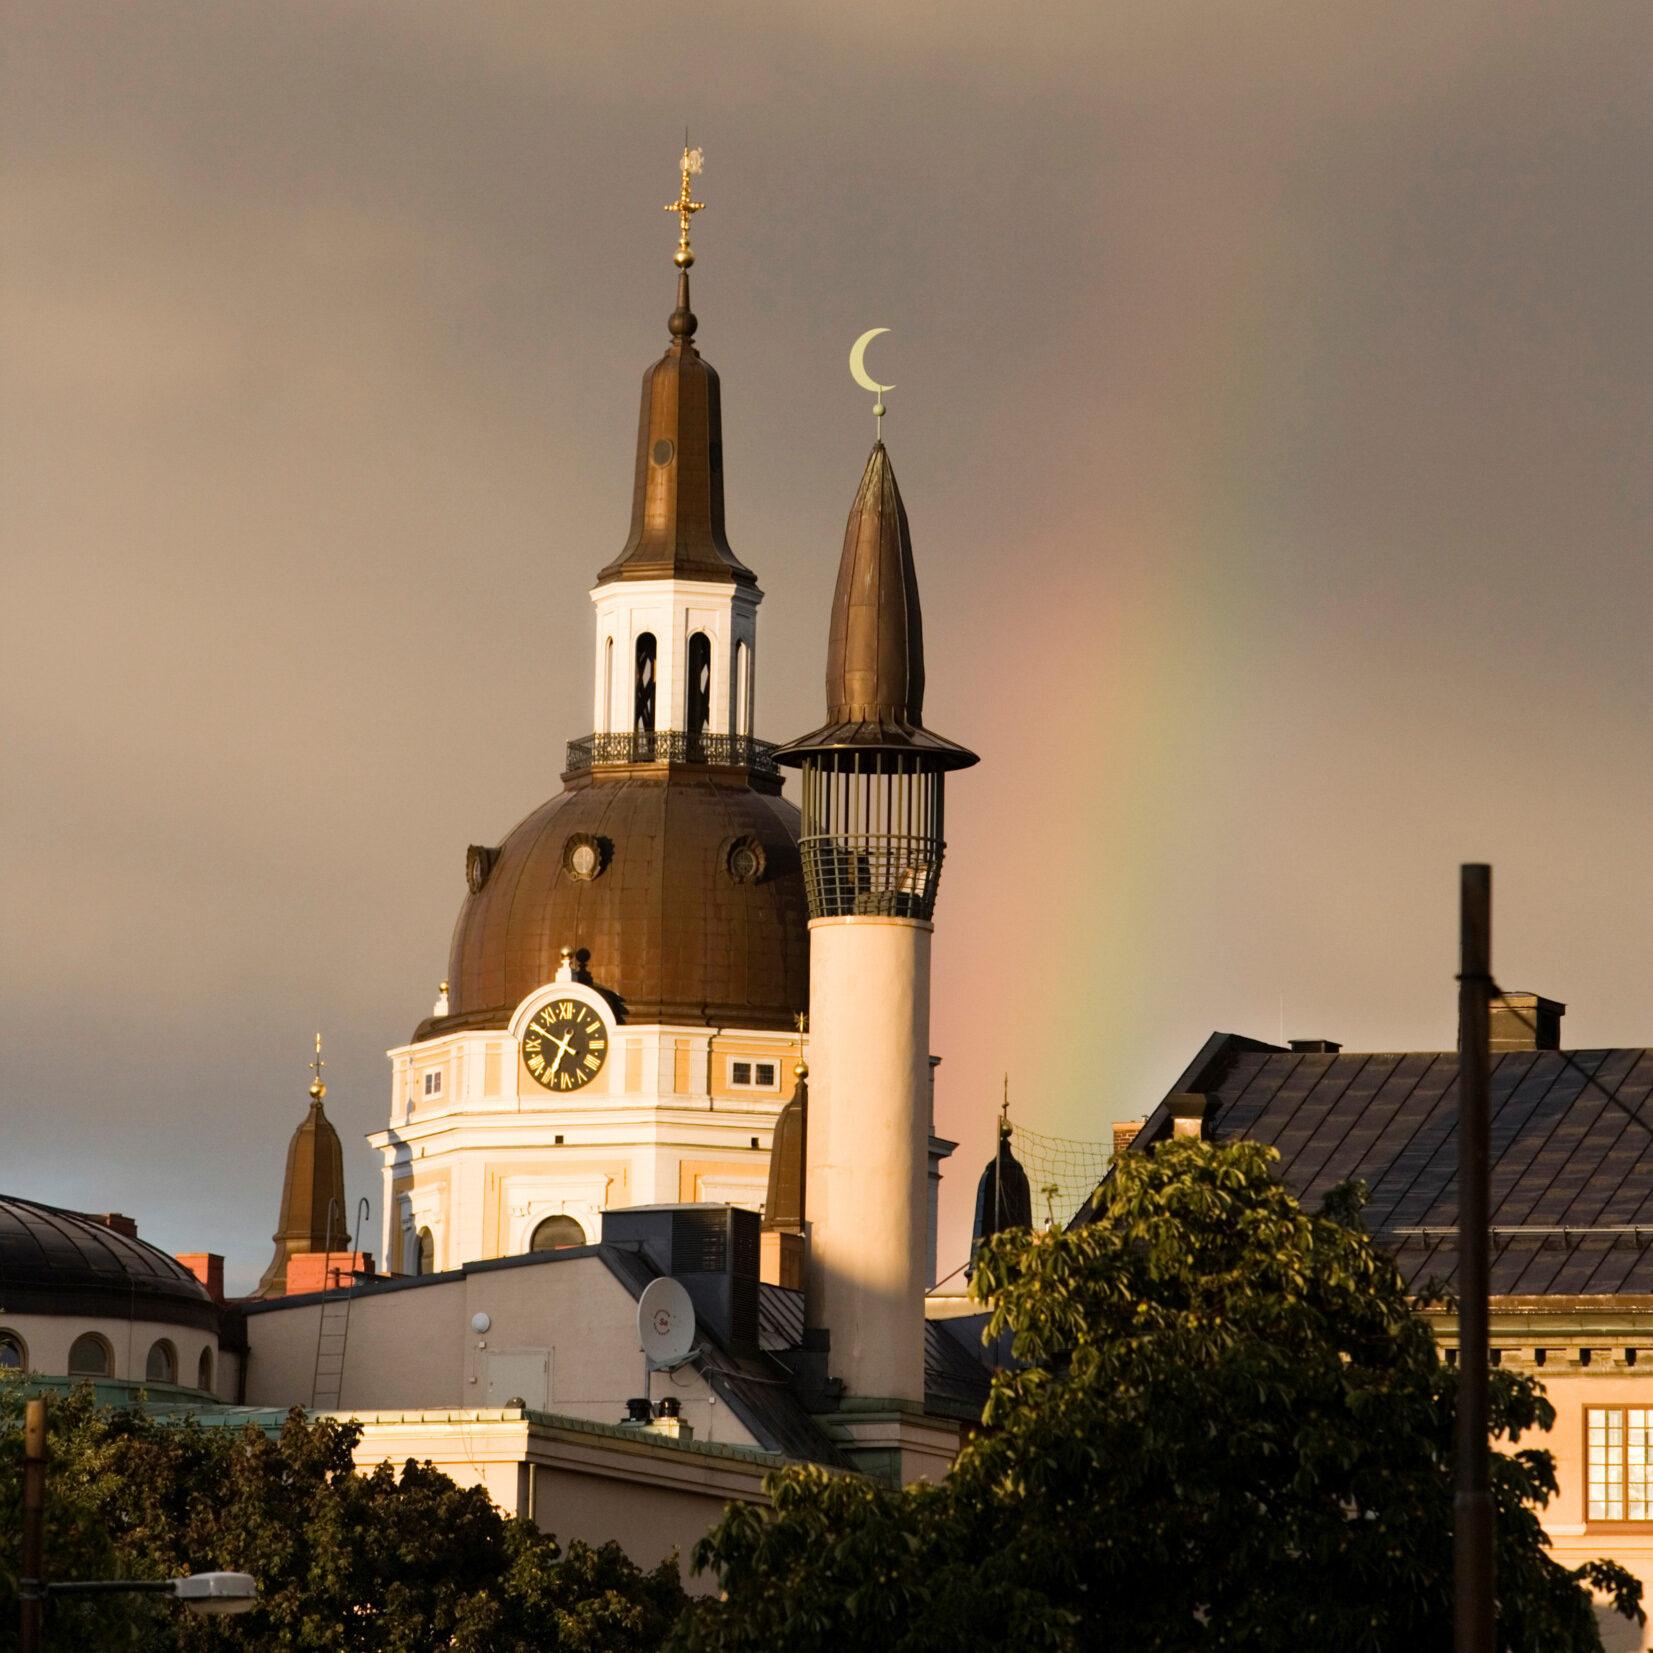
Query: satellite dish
[{"x": 665, "y": 1322}]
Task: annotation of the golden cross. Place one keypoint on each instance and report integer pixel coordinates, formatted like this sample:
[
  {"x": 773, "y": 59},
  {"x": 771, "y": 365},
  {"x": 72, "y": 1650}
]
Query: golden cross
[
  {"x": 685, "y": 207},
  {"x": 317, "y": 1088}
]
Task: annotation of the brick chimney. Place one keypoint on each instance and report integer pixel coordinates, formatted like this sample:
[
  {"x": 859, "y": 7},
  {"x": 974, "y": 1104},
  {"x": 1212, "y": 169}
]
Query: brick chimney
[
  {"x": 208, "y": 1268},
  {"x": 1525, "y": 1021},
  {"x": 1124, "y": 1134}
]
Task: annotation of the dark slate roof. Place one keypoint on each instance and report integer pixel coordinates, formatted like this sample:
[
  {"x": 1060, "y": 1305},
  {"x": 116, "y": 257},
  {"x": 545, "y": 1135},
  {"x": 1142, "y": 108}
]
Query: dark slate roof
[
  {"x": 1572, "y": 1173},
  {"x": 54, "y": 1261},
  {"x": 956, "y": 1376}
]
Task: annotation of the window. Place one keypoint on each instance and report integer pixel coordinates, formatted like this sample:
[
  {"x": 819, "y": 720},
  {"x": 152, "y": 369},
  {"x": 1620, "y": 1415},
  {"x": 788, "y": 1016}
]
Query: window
[
  {"x": 743, "y": 689},
  {"x": 89, "y": 1357},
  {"x": 14, "y": 1353},
  {"x": 555, "y": 1233},
  {"x": 643, "y": 694},
  {"x": 700, "y": 683},
  {"x": 1617, "y": 1439},
  {"x": 433, "y": 1083},
  {"x": 608, "y": 686},
  {"x": 162, "y": 1365},
  {"x": 424, "y": 1256},
  {"x": 203, "y": 1371},
  {"x": 754, "y": 1076}
]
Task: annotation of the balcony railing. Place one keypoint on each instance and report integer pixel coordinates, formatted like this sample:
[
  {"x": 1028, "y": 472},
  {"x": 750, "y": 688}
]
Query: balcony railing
[{"x": 671, "y": 746}]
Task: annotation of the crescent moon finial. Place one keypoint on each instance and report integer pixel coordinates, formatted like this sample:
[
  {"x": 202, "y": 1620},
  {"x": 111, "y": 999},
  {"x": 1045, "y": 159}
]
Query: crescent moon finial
[{"x": 858, "y": 372}]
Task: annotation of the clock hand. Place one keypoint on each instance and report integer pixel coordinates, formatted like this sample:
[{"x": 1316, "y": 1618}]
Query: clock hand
[{"x": 563, "y": 1048}]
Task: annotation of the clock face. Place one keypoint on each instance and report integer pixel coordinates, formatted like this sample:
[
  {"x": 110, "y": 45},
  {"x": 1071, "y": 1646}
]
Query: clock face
[{"x": 565, "y": 1045}]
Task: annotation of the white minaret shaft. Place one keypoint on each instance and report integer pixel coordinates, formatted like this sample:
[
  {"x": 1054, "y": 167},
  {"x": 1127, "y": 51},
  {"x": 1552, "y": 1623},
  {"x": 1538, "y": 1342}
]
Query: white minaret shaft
[
  {"x": 872, "y": 848},
  {"x": 866, "y": 1198}
]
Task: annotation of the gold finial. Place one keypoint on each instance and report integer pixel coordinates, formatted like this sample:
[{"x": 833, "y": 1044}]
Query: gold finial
[
  {"x": 317, "y": 1089},
  {"x": 684, "y": 206},
  {"x": 800, "y": 1068},
  {"x": 1004, "y": 1112}
]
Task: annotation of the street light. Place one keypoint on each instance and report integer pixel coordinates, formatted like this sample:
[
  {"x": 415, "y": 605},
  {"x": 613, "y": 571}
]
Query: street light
[
  {"x": 205, "y": 1593},
  {"x": 212, "y": 1593}
]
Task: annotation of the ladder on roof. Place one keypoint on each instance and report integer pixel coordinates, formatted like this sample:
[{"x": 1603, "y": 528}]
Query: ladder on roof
[{"x": 332, "y": 1338}]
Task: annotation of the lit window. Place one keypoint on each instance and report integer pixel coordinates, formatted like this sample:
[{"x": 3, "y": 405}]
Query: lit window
[
  {"x": 162, "y": 1365},
  {"x": 755, "y": 1076},
  {"x": 1619, "y": 1465},
  {"x": 89, "y": 1357},
  {"x": 14, "y": 1355},
  {"x": 433, "y": 1084}
]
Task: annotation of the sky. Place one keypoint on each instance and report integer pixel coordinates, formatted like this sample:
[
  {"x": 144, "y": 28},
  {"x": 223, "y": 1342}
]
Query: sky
[{"x": 1272, "y": 412}]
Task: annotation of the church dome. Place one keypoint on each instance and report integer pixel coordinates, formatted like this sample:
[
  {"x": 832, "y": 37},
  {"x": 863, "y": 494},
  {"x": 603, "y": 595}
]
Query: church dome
[
  {"x": 679, "y": 885},
  {"x": 54, "y": 1261}
]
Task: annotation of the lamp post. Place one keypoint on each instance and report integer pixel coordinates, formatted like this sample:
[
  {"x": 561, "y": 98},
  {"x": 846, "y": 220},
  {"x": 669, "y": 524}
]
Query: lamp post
[{"x": 207, "y": 1593}]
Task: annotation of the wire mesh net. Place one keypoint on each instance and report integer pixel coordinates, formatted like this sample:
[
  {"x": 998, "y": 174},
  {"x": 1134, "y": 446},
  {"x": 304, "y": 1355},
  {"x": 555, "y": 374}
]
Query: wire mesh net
[{"x": 1062, "y": 1173}]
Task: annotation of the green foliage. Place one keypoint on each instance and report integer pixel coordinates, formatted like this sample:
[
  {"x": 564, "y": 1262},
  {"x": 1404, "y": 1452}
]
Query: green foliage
[
  {"x": 387, "y": 1562},
  {"x": 1230, "y": 1432}
]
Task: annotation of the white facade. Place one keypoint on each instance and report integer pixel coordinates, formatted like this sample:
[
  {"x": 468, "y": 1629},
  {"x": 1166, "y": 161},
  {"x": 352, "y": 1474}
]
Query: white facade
[
  {"x": 478, "y": 1154},
  {"x": 672, "y": 612}
]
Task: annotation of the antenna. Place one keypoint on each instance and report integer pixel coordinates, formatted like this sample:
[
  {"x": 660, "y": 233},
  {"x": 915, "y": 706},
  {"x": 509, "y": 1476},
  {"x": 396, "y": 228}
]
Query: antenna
[{"x": 665, "y": 1326}]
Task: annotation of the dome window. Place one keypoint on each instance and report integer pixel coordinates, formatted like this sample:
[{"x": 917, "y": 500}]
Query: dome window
[
  {"x": 556, "y": 1233},
  {"x": 14, "y": 1353},
  {"x": 162, "y": 1365},
  {"x": 433, "y": 1082},
  {"x": 752, "y": 1076},
  {"x": 89, "y": 1356},
  {"x": 203, "y": 1371}
]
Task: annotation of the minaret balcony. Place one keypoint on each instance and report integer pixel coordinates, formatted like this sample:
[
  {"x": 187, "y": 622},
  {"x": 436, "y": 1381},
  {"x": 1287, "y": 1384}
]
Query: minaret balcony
[{"x": 606, "y": 751}]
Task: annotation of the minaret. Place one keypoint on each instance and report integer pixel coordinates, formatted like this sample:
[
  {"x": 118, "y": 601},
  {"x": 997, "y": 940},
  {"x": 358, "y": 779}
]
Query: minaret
[
  {"x": 872, "y": 847},
  {"x": 677, "y": 609},
  {"x": 312, "y": 1193}
]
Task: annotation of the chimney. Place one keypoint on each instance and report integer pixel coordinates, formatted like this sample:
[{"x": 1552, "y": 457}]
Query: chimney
[
  {"x": 208, "y": 1268},
  {"x": 1187, "y": 1113},
  {"x": 113, "y": 1220},
  {"x": 1525, "y": 1021},
  {"x": 1315, "y": 1047},
  {"x": 1124, "y": 1134}
]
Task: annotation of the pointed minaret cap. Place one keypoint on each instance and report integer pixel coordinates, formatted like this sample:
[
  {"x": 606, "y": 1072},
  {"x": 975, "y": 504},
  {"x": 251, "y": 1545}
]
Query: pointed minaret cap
[
  {"x": 311, "y": 1192},
  {"x": 677, "y": 527},
  {"x": 875, "y": 649}
]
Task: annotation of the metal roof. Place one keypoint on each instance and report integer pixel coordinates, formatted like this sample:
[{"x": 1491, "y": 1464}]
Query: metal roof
[
  {"x": 54, "y": 1261},
  {"x": 1572, "y": 1172}
]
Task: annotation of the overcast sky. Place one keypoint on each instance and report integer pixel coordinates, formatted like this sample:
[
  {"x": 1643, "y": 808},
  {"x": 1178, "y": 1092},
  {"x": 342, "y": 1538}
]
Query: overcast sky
[{"x": 1272, "y": 413}]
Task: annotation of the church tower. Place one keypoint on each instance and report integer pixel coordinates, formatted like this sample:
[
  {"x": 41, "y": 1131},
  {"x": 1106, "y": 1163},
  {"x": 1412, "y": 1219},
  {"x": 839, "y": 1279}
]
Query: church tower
[
  {"x": 872, "y": 845},
  {"x": 619, "y": 1020}
]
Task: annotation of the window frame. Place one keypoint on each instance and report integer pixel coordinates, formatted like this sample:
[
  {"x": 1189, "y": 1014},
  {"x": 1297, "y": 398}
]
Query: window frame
[
  {"x": 1638, "y": 1523},
  {"x": 754, "y": 1064},
  {"x": 544, "y": 1222},
  {"x": 169, "y": 1353},
  {"x": 108, "y": 1356},
  {"x": 15, "y": 1339}
]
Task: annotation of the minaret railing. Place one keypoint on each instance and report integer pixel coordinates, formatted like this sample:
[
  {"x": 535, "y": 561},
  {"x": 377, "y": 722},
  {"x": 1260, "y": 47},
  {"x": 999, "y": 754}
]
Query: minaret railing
[{"x": 872, "y": 841}]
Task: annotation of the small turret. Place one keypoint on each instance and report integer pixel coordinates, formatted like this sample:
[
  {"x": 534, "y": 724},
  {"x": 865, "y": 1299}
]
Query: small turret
[
  {"x": 1004, "y": 1198},
  {"x": 312, "y": 1192}
]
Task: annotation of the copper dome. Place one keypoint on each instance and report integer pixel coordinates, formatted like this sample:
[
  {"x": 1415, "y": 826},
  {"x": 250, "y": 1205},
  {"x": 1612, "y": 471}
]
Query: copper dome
[{"x": 687, "y": 902}]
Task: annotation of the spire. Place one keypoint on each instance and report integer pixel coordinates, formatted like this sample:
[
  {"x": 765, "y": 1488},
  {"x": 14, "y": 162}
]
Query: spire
[
  {"x": 677, "y": 527},
  {"x": 875, "y": 647},
  {"x": 1003, "y": 1197},
  {"x": 312, "y": 1192},
  {"x": 783, "y": 1205}
]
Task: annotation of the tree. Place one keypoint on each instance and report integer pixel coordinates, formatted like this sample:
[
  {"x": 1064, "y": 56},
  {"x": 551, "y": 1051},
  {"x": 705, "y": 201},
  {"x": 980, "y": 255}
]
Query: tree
[
  {"x": 1229, "y": 1431},
  {"x": 378, "y": 1561}
]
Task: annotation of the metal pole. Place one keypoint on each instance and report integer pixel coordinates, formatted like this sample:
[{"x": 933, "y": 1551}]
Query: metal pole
[
  {"x": 31, "y": 1585},
  {"x": 1472, "y": 1507}
]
